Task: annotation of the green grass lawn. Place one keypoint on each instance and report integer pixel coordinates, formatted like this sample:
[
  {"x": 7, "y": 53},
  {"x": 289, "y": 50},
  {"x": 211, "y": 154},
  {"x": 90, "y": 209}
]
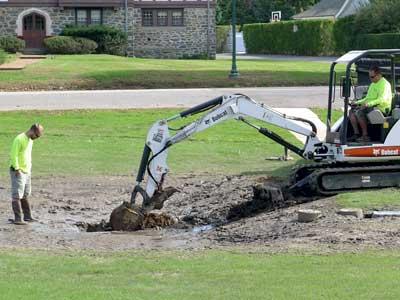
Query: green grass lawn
[
  {"x": 197, "y": 275},
  {"x": 111, "y": 142},
  {"x": 385, "y": 198},
  {"x": 7, "y": 58},
  {"x": 113, "y": 72}
]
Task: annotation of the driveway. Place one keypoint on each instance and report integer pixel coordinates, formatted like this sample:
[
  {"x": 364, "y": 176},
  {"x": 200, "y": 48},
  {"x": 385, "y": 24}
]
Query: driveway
[{"x": 300, "y": 97}]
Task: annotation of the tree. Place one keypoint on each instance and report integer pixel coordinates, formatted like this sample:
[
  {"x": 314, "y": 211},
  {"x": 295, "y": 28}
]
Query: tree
[
  {"x": 259, "y": 11},
  {"x": 378, "y": 17},
  {"x": 300, "y": 5}
]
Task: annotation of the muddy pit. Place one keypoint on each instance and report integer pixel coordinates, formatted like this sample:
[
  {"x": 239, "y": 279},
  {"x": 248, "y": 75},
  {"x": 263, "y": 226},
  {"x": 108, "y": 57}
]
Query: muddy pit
[{"x": 209, "y": 211}]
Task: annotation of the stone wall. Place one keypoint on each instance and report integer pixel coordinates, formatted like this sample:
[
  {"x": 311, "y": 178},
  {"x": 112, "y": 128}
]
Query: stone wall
[{"x": 188, "y": 41}]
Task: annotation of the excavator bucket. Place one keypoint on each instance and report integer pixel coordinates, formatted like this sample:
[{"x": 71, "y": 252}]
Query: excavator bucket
[
  {"x": 130, "y": 216},
  {"x": 158, "y": 199}
]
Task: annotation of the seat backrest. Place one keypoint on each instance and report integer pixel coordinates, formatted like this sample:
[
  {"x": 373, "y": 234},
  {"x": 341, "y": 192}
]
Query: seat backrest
[
  {"x": 376, "y": 117},
  {"x": 396, "y": 113},
  {"x": 396, "y": 100}
]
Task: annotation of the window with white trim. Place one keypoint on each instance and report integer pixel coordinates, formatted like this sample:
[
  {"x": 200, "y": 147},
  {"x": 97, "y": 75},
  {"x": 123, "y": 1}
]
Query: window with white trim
[
  {"x": 88, "y": 16},
  {"x": 147, "y": 18},
  {"x": 162, "y": 17},
  {"x": 177, "y": 17}
]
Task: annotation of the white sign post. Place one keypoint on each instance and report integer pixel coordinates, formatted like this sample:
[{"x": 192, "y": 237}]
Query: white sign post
[{"x": 276, "y": 16}]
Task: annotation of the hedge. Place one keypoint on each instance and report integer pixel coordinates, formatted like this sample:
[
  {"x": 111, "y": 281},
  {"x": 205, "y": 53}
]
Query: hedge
[
  {"x": 69, "y": 45},
  {"x": 3, "y": 56},
  {"x": 110, "y": 40},
  {"x": 222, "y": 37},
  {"x": 11, "y": 44},
  {"x": 311, "y": 37},
  {"x": 344, "y": 35},
  {"x": 378, "y": 41}
]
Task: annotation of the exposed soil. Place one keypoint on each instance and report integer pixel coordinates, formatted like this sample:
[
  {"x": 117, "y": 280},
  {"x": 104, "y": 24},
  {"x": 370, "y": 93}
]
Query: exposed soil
[{"x": 212, "y": 211}]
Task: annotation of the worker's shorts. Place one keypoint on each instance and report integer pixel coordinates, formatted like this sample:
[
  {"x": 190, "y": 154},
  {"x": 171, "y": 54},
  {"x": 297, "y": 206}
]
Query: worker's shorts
[
  {"x": 362, "y": 112},
  {"x": 20, "y": 185}
]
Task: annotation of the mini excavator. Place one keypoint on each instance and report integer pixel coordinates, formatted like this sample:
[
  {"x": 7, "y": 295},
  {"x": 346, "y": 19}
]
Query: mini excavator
[{"x": 338, "y": 165}]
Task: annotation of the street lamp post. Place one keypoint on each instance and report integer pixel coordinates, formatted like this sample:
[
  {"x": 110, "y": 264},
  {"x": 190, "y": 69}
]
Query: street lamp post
[{"x": 234, "y": 72}]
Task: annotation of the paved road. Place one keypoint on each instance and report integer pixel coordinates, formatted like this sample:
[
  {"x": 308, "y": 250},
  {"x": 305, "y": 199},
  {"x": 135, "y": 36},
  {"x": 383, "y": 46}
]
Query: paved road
[
  {"x": 122, "y": 99},
  {"x": 242, "y": 56}
]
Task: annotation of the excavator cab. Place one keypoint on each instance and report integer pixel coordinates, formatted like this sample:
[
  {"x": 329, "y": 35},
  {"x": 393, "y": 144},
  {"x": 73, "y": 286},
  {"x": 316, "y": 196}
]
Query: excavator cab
[{"x": 354, "y": 86}]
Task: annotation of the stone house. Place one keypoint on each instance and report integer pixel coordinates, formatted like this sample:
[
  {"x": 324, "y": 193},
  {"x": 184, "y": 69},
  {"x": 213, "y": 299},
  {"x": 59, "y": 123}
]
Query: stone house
[
  {"x": 155, "y": 28},
  {"x": 331, "y": 9}
]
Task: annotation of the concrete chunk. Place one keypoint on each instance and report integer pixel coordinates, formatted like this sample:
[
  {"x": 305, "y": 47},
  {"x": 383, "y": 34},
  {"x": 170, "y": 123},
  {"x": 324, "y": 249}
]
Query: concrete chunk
[
  {"x": 377, "y": 214},
  {"x": 354, "y": 212},
  {"x": 308, "y": 215}
]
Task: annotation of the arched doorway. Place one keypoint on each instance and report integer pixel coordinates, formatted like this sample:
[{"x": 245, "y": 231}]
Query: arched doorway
[{"x": 34, "y": 30}]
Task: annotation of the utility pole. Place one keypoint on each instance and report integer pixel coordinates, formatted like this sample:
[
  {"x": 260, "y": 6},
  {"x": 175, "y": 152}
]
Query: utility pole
[
  {"x": 234, "y": 72},
  {"x": 126, "y": 16}
]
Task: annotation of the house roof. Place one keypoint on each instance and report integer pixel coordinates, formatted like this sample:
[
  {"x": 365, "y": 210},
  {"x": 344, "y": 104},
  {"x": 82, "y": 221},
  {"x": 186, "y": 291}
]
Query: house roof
[{"x": 332, "y": 8}]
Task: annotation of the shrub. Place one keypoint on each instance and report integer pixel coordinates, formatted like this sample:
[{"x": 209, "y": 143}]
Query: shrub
[
  {"x": 3, "y": 56},
  {"x": 222, "y": 37},
  {"x": 69, "y": 45},
  {"x": 344, "y": 34},
  {"x": 110, "y": 40},
  {"x": 195, "y": 56},
  {"x": 309, "y": 37},
  {"x": 11, "y": 44},
  {"x": 86, "y": 46},
  {"x": 115, "y": 44},
  {"x": 61, "y": 45},
  {"x": 378, "y": 41}
]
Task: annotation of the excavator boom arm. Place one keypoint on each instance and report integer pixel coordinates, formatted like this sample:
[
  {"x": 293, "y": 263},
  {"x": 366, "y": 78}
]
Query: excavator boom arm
[{"x": 223, "y": 108}]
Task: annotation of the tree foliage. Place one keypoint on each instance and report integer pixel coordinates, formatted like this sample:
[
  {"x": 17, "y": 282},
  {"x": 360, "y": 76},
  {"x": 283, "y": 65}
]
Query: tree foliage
[
  {"x": 379, "y": 17},
  {"x": 259, "y": 11}
]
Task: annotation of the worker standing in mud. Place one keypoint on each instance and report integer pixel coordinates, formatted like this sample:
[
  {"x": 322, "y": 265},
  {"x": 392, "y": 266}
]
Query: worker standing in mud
[{"x": 20, "y": 173}]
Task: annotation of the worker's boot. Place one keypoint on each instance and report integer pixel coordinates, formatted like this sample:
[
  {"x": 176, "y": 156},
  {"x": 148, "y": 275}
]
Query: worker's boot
[
  {"x": 16, "y": 206},
  {"x": 26, "y": 208}
]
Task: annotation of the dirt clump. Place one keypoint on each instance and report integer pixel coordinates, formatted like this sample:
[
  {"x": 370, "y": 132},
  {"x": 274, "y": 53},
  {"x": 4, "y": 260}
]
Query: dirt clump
[
  {"x": 266, "y": 197},
  {"x": 127, "y": 217},
  {"x": 158, "y": 220}
]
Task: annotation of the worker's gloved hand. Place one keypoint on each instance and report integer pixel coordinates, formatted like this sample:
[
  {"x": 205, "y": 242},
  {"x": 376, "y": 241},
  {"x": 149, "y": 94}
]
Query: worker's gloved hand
[{"x": 354, "y": 105}]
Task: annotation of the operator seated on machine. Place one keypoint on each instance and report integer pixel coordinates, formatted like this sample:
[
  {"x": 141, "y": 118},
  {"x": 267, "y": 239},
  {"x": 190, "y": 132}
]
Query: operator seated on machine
[{"x": 379, "y": 95}]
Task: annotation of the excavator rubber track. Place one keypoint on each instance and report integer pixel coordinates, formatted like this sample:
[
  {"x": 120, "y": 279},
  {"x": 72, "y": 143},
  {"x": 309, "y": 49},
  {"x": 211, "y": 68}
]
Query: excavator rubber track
[{"x": 331, "y": 179}]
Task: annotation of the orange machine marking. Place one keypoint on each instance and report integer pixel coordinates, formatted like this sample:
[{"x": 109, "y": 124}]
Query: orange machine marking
[{"x": 373, "y": 151}]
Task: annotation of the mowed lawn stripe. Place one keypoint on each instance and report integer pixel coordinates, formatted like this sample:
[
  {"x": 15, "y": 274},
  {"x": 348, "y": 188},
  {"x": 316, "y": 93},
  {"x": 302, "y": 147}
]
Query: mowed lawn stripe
[
  {"x": 112, "y": 72},
  {"x": 101, "y": 142},
  {"x": 197, "y": 275}
]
